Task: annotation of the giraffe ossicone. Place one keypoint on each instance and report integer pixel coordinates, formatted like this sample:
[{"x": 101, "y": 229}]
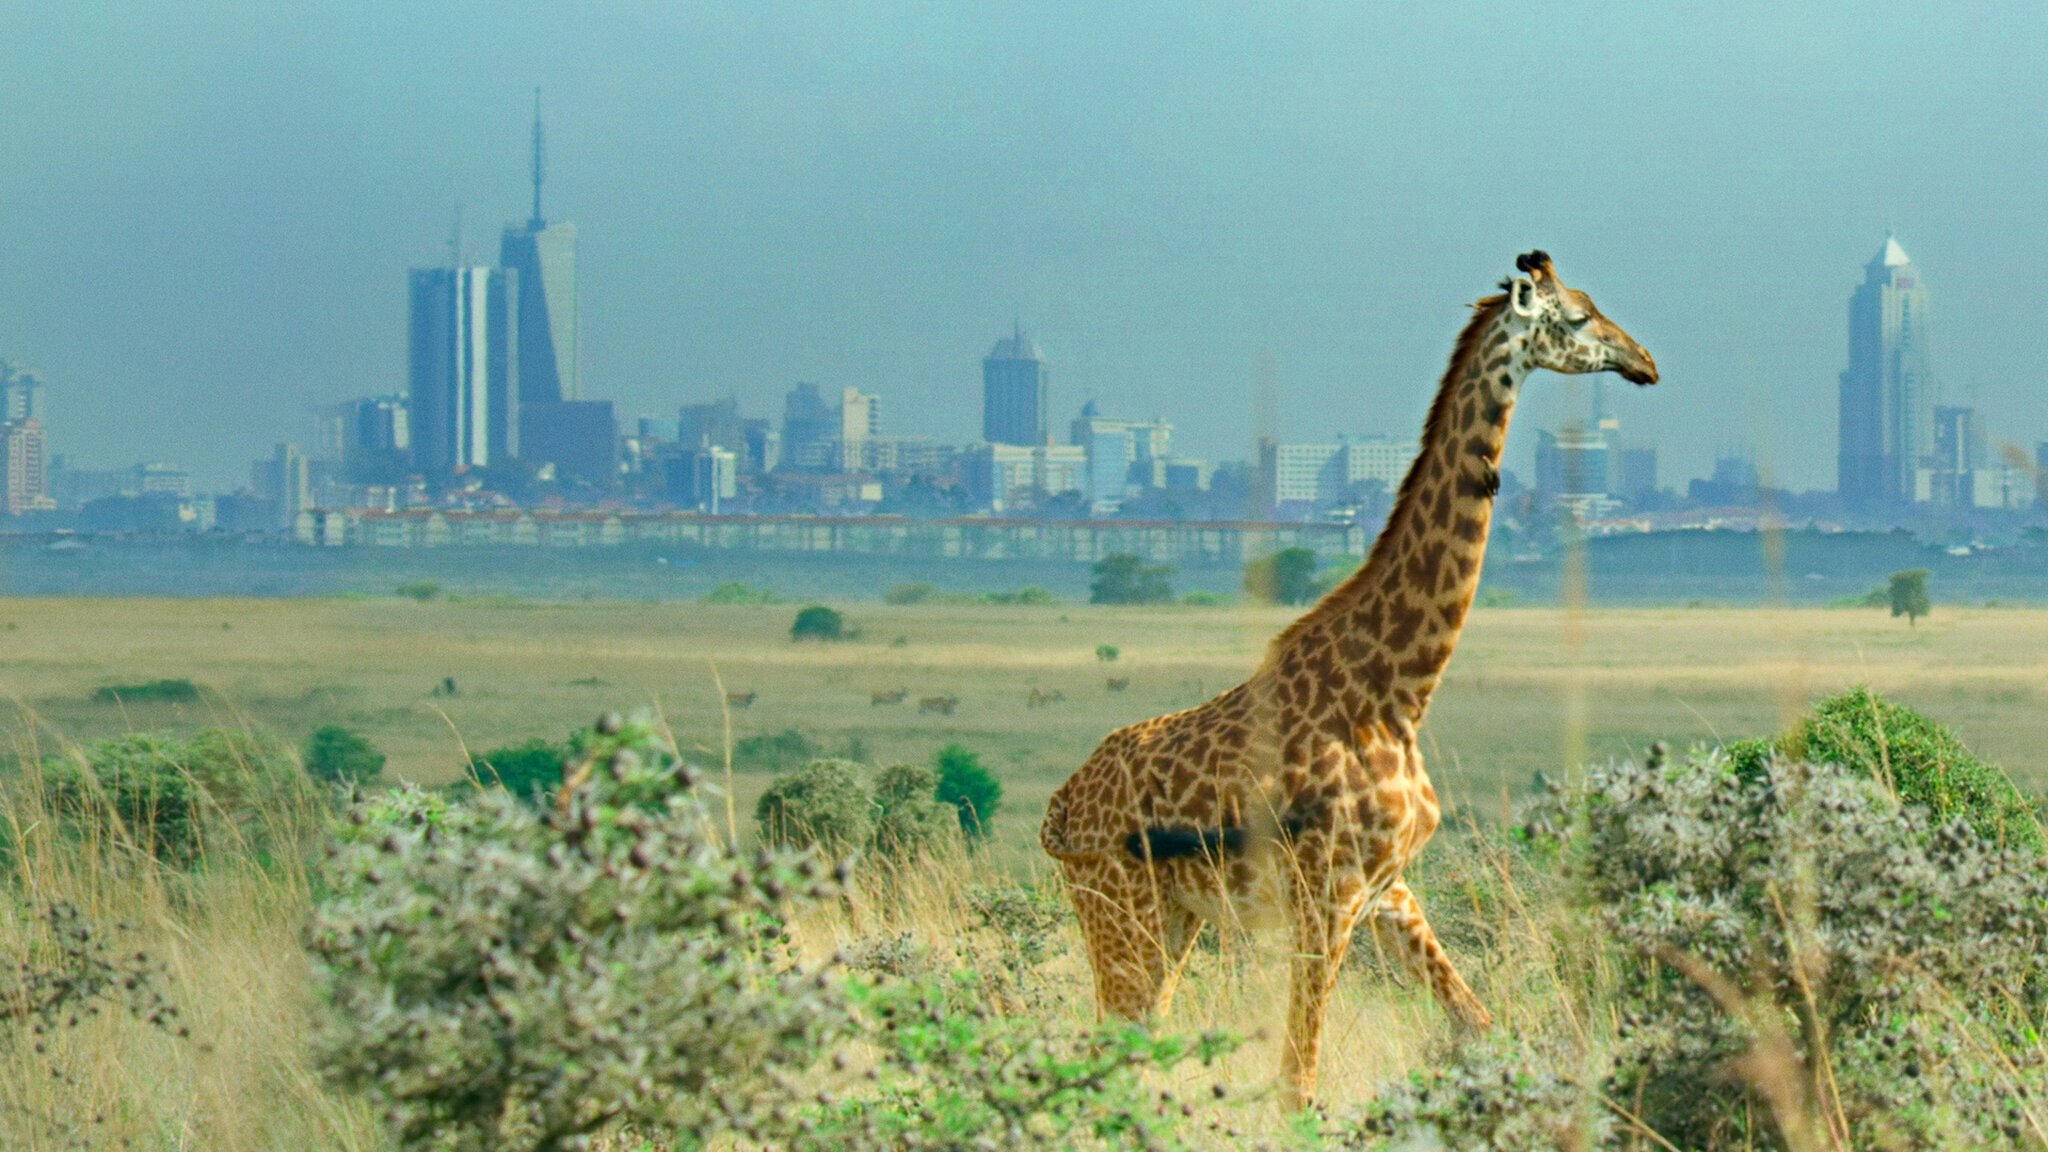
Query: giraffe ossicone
[{"x": 1299, "y": 796}]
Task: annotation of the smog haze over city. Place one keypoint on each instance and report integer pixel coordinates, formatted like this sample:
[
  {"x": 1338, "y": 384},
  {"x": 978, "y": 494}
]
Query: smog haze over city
[{"x": 209, "y": 210}]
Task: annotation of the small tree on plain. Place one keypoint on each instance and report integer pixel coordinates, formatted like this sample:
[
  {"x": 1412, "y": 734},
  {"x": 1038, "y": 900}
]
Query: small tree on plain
[
  {"x": 970, "y": 788},
  {"x": 1286, "y": 577},
  {"x": 334, "y": 753},
  {"x": 818, "y": 622},
  {"x": 1107, "y": 653},
  {"x": 1124, "y": 578},
  {"x": 1909, "y": 595}
]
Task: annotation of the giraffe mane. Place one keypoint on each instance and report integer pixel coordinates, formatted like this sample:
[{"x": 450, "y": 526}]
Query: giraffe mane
[{"x": 1484, "y": 312}]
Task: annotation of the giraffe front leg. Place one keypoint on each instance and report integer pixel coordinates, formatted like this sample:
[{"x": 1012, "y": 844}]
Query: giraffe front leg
[
  {"x": 1327, "y": 907},
  {"x": 1404, "y": 933}
]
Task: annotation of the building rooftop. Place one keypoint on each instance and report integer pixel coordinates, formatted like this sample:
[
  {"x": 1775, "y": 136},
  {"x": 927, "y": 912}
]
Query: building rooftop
[{"x": 1892, "y": 256}]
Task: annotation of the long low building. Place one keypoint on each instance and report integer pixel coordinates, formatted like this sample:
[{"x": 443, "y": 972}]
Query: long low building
[{"x": 1180, "y": 542}]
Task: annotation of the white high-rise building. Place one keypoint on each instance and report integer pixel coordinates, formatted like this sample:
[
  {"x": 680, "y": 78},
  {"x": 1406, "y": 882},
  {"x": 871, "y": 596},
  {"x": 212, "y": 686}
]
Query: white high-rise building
[{"x": 463, "y": 352}]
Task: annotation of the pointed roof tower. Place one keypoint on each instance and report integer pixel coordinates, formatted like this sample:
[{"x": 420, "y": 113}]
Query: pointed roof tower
[{"x": 538, "y": 222}]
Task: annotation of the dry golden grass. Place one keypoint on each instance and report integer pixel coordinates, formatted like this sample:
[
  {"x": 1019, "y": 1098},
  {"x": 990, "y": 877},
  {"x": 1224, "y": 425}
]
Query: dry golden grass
[{"x": 228, "y": 933}]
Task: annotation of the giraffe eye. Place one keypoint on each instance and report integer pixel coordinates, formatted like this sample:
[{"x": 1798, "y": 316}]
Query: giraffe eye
[{"x": 1578, "y": 321}]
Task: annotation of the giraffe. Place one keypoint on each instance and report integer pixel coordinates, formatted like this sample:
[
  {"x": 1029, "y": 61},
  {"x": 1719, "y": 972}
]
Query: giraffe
[{"x": 1297, "y": 797}]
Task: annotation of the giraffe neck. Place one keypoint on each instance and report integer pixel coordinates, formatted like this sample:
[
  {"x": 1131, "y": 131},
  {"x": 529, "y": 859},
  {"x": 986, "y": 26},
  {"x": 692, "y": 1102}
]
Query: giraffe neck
[{"x": 1395, "y": 622}]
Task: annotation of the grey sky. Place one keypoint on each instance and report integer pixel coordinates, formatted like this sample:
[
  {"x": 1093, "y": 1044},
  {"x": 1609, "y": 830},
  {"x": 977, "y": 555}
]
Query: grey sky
[{"x": 207, "y": 209}]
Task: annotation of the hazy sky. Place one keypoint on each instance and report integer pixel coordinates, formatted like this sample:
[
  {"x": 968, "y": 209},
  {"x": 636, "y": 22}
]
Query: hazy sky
[{"x": 207, "y": 210}]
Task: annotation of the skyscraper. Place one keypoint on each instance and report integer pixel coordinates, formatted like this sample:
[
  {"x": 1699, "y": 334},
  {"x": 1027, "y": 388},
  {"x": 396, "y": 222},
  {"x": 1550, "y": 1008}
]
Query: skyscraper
[
  {"x": 1013, "y": 393},
  {"x": 544, "y": 255},
  {"x": 463, "y": 358},
  {"x": 1887, "y": 396},
  {"x": 19, "y": 393},
  {"x": 24, "y": 468}
]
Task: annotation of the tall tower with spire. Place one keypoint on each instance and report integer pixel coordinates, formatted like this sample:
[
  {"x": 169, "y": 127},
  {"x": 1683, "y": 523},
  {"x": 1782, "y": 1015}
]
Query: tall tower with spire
[
  {"x": 1887, "y": 393},
  {"x": 544, "y": 255}
]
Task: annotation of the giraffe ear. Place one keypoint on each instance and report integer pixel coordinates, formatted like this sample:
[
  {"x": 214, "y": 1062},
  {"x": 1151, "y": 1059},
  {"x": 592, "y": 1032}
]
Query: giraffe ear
[{"x": 1522, "y": 296}]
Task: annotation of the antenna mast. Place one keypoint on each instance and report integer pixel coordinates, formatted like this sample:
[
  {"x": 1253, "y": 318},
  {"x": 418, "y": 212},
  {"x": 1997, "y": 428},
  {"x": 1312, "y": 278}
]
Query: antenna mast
[{"x": 537, "y": 222}]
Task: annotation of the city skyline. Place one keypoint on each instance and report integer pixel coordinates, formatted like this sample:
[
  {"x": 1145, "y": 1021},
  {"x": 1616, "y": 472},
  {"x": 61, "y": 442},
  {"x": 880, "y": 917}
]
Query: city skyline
[{"x": 211, "y": 239}]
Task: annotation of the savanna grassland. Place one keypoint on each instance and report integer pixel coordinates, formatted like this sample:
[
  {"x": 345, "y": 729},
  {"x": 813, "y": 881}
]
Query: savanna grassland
[{"x": 1531, "y": 690}]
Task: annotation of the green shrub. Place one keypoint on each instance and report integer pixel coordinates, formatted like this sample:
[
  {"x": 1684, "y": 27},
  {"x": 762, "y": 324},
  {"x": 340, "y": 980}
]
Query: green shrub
[
  {"x": 972, "y": 790},
  {"x": 335, "y": 754},
  {"x": 774, "y": 751},
  {"x": 909, "y": 593},
  {"x": 1923, "y": 762},
  {"x": 1494, "y": 1095},
  {"x": 1123, "y": 578},
  {"x": 1907, "y": 594},
  {"x": 954, "y": 1073},
  {"x": 910, "y": 820},
  {"x": 736, "y": 592},
  {"x": 169, "y": 796},
  {"x": 1202, "y": 599},
  {"x": 496, "y": 976},
  {"x": 824, "y": 804},
  {"x": 1107, "y": 653},
  {"x": 420, "y": 590},
  {"x": 1784, "y": 906},
  {"x": 1032, "y": 594},
  {"x": 1286, "y": 577},
  {"x": 170, "y": 691},
  {"x": 818, "y": 622},
  {"x": 526, "y": 770}
]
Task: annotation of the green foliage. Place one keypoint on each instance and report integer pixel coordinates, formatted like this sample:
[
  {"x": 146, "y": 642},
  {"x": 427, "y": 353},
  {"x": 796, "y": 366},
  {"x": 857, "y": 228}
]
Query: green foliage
[
  {"x": 1107, "y": 653},
  {"x": 824, "y": 804},
  {"x": 1495, "y": 1095},
  {"x": 1498, "y": 597},
  {"x": 496, "y": 976},
  {"x": 420, "y": 590},
  {"x": 1203, "y": 599},
  {"x": 818, "y": 622},
  {"x": 916, "y": 593},
  {"x": 168, "y": 691},
  {"x": 528, "y": 771},
  {"x": 1286, "y": 577},
  {"x": 335, "y": 754},
  {"x": 954, "y": 1074},
  {"x": 1761, "y": 912},
  {"x": 736, "y": 592},
  {"x": 1922, "y": 762},
  {"x": 1123, "y": 578},
  {"x": 910, "y": 820},
  {"x": 971, "y": 789},
  {"x": 1031, "y": 594},
  {"x": 1908, "y": 595},
  {"x": 170, "y": 796},
  {"x": 774, "y": 751}
]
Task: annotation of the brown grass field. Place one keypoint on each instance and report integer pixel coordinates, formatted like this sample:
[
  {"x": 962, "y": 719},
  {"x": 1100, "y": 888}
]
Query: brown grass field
[{"x": 1531, "y": 690}]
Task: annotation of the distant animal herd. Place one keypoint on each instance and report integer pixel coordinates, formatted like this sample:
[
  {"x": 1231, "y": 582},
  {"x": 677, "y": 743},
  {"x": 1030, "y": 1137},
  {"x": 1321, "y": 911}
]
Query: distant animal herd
[{"x": 1034, "y": 699}]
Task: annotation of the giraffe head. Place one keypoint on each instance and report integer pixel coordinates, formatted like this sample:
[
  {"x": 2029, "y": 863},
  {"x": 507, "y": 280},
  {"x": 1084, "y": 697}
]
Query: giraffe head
[{"x": 1563, "y": 331}]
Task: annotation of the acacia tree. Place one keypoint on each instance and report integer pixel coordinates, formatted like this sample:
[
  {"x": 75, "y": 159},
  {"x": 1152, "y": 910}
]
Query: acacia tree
[
  {"x": 1909, "y": 595},
  {"x": 1286, "y": 577},
  {"x": 1124, "y": 578}
]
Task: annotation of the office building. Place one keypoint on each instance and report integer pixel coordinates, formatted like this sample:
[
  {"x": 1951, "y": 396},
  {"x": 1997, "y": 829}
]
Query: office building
[
  {"x": 576, "y": 440},
  {"x": 20, "y": 394},
  {"x": 544, "y": 257},
  {"x": 284, "y": 482},
  {"x": 1145, "y": 445},
  {"x": 808, "y": 423},
  {"x": 1572, "y": 464},
  {"x": 704, "y": 478},
  {"x": 1006, "y": 476},
  {"x": 463, "y": 355},
  {"x": 716, "y": 423},
  {"x": 1887, "y": 393},
  {"x": 1013, "y": 392},
  {"x": 1334, "y": 472},
  {"x": 24, "y": 468}
]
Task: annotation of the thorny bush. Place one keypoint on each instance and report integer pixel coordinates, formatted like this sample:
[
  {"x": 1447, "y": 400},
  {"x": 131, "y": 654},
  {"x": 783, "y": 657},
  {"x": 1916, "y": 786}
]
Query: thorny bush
[
  {"x": 1800, "y": 952},
  {"x": 501, "y": 977}
]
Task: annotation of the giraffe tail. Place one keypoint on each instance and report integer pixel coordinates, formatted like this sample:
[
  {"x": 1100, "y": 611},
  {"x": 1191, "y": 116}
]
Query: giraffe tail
[{"x": 1052, "y": 834}]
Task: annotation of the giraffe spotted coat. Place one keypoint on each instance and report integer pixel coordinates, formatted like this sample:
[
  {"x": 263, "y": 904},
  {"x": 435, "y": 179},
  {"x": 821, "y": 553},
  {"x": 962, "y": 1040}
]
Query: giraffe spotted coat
[{"x": 1298, "y": 797}]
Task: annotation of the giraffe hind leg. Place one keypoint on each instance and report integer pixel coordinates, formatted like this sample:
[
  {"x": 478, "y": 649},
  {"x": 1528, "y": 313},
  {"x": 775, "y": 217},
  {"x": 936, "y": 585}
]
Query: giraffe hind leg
[
  {"x": 1125, "y": 926},
  {"x": 1404, "y": 933}
]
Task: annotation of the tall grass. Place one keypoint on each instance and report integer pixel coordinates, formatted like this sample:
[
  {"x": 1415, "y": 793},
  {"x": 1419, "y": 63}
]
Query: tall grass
[{"x": 223, "y": 931}]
